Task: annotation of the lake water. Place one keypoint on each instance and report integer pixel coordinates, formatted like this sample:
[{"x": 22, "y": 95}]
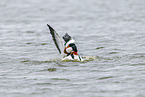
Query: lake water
[{"x": 111, "y": 30}]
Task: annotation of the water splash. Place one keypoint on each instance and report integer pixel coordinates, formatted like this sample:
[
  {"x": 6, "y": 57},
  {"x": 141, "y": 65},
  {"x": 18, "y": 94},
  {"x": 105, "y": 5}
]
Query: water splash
[{"x": 85, "y": 59}]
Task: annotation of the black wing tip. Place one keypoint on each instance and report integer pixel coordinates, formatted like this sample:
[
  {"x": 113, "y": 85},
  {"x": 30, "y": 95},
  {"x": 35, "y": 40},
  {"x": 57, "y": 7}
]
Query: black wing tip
[
  {"x": 48, "y": 25},
  {"x": 50, "y": 28}
]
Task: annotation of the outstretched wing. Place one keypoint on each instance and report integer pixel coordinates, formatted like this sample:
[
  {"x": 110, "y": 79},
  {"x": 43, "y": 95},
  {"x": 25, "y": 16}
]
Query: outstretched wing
[{"x": 56, "y": 38}]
